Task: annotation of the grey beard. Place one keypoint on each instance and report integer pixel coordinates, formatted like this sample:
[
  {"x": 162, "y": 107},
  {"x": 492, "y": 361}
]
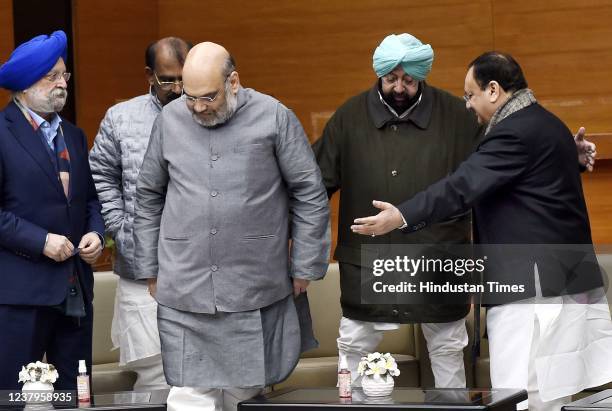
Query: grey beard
[
  {"x": 224, "y": 114},
  {"x": 52, "y": 103}
]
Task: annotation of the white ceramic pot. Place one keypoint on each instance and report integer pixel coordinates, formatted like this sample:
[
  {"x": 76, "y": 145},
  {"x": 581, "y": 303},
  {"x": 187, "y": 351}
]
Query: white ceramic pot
[
  {"x": 37, "y": 386},
  {"x": 377, "y": 386},
  {"x": 37, "y": 394}
]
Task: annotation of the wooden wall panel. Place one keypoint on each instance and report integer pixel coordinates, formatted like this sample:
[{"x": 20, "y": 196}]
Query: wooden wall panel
[
  {"x": 313, "y": 55},
  {"x": 564, "y": 49},
  {"x": 6, "y": 39},
  {"x": 603, "y": 141},
  {"x": 110, "y": 38},
  {"x": 110, "y": 41},
  {"x": 599, "y": 201}
]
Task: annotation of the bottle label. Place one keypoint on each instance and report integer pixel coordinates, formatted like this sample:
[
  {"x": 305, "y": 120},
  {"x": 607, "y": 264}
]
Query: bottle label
[
  {"x": 344, "y": 385},
  {"x": 83, "y": 390}
]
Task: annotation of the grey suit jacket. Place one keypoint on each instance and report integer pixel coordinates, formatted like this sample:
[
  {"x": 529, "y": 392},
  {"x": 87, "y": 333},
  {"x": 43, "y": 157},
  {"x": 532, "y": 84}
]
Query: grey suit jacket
[{"x": 216, "y": 208}]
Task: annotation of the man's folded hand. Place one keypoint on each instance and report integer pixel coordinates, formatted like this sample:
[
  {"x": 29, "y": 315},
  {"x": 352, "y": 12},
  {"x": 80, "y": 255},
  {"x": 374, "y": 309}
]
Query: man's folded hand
[
  {"x": 58, "y": 247},
  {"x": 90, "y": 247}
]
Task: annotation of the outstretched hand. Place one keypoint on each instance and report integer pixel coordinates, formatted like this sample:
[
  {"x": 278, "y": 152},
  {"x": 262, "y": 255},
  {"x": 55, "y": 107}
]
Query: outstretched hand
[
  {"x": 586, "y": 149},
  {"x": 387, "y": 220}
]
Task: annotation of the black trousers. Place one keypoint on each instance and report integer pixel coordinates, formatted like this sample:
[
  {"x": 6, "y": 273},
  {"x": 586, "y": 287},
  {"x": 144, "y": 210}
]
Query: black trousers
[{"x": 29, "y": 332}]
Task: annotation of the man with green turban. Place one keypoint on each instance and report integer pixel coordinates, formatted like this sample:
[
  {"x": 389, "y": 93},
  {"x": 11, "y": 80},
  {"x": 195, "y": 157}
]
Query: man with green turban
[
  {"x": 388, "y": 143},
  {"x": 405, "y": 51},
  {"x": 404, "y": 134}
]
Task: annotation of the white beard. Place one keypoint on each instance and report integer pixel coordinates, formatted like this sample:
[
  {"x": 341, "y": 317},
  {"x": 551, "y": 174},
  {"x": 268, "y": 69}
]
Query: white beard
[
  {"x": 52, "y": 103},
  {"x": 223, "y": 114}
]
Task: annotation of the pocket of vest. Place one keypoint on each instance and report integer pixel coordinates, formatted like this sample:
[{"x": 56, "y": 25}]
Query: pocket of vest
[
  {"x": 175, "y": 238},
  {"x": 258, "y": 236},
  {"x": 251, "y": 148}
]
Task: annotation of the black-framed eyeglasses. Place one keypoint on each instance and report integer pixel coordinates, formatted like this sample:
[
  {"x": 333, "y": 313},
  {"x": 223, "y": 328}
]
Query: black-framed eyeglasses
[
  {"x": 204, "y": 99},
  {"x": 54, "y": 77},
  {"x": 167, "y": 85},
  {"x": 468, "y": 96}
]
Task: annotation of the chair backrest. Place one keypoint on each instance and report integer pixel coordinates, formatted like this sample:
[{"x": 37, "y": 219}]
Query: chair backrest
[
  {"x": 324, "y": 298},
  {"x": 105, "y": 285}
]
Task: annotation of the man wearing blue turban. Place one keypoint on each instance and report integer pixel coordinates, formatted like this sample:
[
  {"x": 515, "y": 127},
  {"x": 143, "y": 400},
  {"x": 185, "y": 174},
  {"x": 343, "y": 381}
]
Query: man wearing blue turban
[
  {"x": 51, "y": 228},
  {"x": 388, "y": 143}
]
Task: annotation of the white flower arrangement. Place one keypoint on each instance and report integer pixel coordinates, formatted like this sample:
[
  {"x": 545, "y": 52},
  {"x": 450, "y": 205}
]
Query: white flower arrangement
[
  {"x": 377, "y": 364},
  {"x": 38, "y": 371}
]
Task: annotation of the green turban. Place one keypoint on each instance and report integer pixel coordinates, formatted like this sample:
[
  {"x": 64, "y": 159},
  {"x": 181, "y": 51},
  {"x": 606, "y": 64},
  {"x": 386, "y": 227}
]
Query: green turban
[{"x": 405, "y": 49}]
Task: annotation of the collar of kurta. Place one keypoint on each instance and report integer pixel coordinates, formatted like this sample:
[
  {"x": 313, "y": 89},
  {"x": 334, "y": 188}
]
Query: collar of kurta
[
  {"x": 381, "y": 116},
  {"x": 154, "y": 99},
  {"x": 243, "y": 98}
]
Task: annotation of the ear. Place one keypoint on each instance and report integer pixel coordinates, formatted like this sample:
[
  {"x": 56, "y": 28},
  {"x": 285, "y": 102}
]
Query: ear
[
  {"x": 149, "y": 75},
  {"x": 494, "y": 92},
  {"x": 234, "y": 81}
]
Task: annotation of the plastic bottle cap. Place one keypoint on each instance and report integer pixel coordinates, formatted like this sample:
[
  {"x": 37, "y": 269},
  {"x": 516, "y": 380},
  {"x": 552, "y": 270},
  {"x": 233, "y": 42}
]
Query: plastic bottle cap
[
  {"x": 82, "y": 366},
  {"x": 343, "y": 363}
]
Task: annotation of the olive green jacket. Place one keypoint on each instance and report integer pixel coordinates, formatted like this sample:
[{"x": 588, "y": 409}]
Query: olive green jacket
[{"x": 368, "y": 153}]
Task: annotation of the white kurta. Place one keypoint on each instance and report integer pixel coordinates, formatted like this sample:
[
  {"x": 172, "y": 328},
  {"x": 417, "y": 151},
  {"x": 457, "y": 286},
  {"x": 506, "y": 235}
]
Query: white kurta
[
  {"x": 576, "y": 344},
  {"x": 564, "y": 342},
  {"x": 134, "y": 327}
]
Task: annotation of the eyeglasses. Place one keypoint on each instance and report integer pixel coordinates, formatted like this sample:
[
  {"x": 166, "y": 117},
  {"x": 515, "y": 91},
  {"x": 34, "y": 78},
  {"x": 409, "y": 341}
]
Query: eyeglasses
[
  {"x": 204, "y": 99},
  {"x": 468, "y": 96},
  {"x": 54, "y": 77},
  {"x": 167, "y": 85}
]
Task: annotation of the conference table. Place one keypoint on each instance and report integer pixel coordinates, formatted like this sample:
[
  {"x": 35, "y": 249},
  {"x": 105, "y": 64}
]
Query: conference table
[
  {"x": 601, "y": 401},
  {"x": 317, "y": 399},
  {"x": 326, "y": 399},
  {"x": 119, "y": 401}
]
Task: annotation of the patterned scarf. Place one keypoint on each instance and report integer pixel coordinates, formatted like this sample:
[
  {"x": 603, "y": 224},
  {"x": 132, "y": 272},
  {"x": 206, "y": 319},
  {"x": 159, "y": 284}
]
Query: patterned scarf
[
  {"x": 517, "y": 101},
  {"x": 63, "y": 161},
  {"x": 62, "y": 156}
]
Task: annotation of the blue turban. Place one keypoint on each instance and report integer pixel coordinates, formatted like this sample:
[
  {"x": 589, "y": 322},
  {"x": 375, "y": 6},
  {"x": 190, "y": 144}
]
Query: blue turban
[
  {"x": 33, "y": 59},
  {"x": 405, "y": 49}
]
